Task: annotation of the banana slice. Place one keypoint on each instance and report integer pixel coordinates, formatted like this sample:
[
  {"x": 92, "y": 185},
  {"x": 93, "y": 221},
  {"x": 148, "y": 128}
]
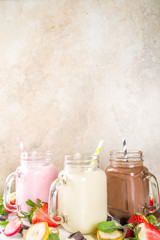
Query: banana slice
[
  {"x": 39, "y": 231},
  {"x": 116, "y": 235},
  {"x": 12, "y": 197},
  {"x": 53, "y": 230},
  {"x": 24, "y": 232}
]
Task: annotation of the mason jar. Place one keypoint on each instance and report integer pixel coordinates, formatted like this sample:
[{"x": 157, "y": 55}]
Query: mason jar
[
  {"x": 130, "y": 185},
  {"x": 78, "y": 197},
  {"x": 33, "y": 179}
]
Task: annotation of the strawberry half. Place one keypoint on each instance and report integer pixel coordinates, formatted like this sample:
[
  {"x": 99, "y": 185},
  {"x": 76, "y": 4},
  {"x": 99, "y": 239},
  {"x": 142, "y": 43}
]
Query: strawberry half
[
  {"x": 41, "y": 215},
  {"x": 146, "y": 231},
  {"x": 38, "y": 213},
  {"x": 135, "y": 219},
  {"x": 13, "y": 227}
]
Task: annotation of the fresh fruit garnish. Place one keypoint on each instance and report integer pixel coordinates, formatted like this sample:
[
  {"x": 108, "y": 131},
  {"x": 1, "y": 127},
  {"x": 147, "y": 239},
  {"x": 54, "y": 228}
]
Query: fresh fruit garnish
[
  {"x": 24, "y": 232},
  {"x": 151, "y": 201},
  {"x": 53, "y": 230},
  {"x": 13, "y": 227},
  {"x": 146, "y": 231},
  {"x": 39, "y": 231},
  {"x": 134, "y": 220},
  {"x": 152, "y": 220},
  {"x": 134, "y": 238},
  {"x": 109, "y": 230},
  {"x": 13, "y": 197},
  {"x": 53, "y": 236},
  {"x": 4, "y": 223},
  {"x": 3, "y": 211},
  {"x": 38, "y": 213},
  {"x": 108, "y": 226},
  {"x": 116, "y": 235}
]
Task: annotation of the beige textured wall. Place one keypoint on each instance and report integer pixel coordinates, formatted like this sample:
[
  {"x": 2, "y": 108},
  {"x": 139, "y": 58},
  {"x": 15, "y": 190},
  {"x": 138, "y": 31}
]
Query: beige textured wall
[{"x": 75, "y": 71}]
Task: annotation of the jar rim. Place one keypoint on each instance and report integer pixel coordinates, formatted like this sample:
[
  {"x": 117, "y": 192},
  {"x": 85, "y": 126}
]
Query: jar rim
[
  {"x": 81, "y": 160},
  {"x": 80, "y": 156},
  {"x": 129, "y": 151},
  {"x": 131, "y": 154},
  {"x": 36, "y": 156},
  {"x": 133, "y": 158}
]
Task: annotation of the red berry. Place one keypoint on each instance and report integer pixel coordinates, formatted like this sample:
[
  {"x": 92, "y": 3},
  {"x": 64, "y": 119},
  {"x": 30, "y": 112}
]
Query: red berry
[
  {"x": 135, "y": 219},
  {"x": 146, "y": 231},
  {"x": 41, "y": 215}
]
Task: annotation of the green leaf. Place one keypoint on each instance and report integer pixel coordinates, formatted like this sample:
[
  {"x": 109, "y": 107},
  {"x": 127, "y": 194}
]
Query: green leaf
[
  {"x": 152, "y": 220},
  {"x": 24, "y": 213},
  {"x": 31, "y": 203},
  {"x": 158, "y": 227},
  {"x": 139, "y": 214},
  {"x": 2, "y": 210},
  {"x": 53, "y": 236},
  {"x": 39, "y": 201},
  {"x": 28, "y": 216},
  {"x": 108, "y": 226},
  {"x": 131, "y": 238},
  {"x": 131, "y": 226},
  {"x": 4, "y": 223}
]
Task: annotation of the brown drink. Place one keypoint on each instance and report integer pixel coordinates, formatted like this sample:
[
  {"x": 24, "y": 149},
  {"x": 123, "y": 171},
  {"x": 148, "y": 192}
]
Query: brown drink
[{"x": 128, "y": 188}]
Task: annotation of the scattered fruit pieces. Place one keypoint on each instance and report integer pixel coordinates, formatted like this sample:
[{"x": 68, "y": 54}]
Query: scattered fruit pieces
[
  {"x": 41, "y": 215},
  {"x": 13, "y": 227},
  {"x": 53, "y": 236},
  {"x": 39, "y": 231},
  {"x": 3, "y": 211},
  {"x": 152, "y": 220},
  {"x": 54, "y": 230},
  {"x": 13, "y": 197},
  {"x": 24, "y": 231},
  {"x": 109, "y": 230},
  {"x": 3, "y": 217},
  {"x": 146, "y": 231},
  {"x": 4, "y": 223},
  {"x": 38, "y": 213},
  {"x": 116, "y": 235},
  {"x": 135, "y": 219}
]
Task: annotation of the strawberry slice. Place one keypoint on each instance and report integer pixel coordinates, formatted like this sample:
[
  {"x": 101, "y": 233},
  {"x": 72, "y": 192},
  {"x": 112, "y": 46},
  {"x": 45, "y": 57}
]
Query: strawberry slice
[
  {"x": 13, "y": 227},
  {"x": 38, "y": 213},
  {"x": 41, "y": 215},
  {"x": 135, "y": 219},
  {"x": 146, "y": 231}
]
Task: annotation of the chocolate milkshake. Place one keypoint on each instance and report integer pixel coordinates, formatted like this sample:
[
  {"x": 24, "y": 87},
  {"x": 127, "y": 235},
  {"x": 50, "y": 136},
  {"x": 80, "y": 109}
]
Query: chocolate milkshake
[{"x": 128, "y": 185}]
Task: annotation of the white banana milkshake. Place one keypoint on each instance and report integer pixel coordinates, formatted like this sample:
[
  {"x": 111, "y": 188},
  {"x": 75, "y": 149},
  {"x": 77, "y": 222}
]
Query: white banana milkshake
[{"x": 82, "y": 198}]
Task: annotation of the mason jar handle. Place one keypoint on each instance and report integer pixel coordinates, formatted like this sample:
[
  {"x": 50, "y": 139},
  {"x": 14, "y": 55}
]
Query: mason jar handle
[
  {"x": 7, "y": 191},
  {"x": 154, "y": 186},
  {"x": 53, "y": 211}
]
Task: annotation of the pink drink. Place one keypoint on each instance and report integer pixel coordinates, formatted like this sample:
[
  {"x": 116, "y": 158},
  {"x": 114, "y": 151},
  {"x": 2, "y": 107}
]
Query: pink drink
[
  {"x": 33, "y": 178},
  {"x": 34, "y": 182}
]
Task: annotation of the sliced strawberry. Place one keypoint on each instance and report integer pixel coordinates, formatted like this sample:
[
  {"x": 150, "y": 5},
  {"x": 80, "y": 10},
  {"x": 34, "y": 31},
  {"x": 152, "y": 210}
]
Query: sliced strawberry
[
  {"x": 41, "y": 215},
  {"x": 135, "y": 219},
  {"x": 13, "y": 227},
  {"x": 146, "y": 231}
]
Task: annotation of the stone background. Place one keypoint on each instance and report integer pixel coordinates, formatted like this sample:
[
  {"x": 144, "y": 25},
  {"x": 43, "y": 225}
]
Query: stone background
[{"x": 75, "y": 71}]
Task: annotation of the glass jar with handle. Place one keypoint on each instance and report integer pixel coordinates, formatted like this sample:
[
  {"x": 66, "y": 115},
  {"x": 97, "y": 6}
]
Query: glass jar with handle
[
  {"x": 33, "y": 179},
  {"x": 130, "y": 185},
  {"x": 78, "y": 196}
]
